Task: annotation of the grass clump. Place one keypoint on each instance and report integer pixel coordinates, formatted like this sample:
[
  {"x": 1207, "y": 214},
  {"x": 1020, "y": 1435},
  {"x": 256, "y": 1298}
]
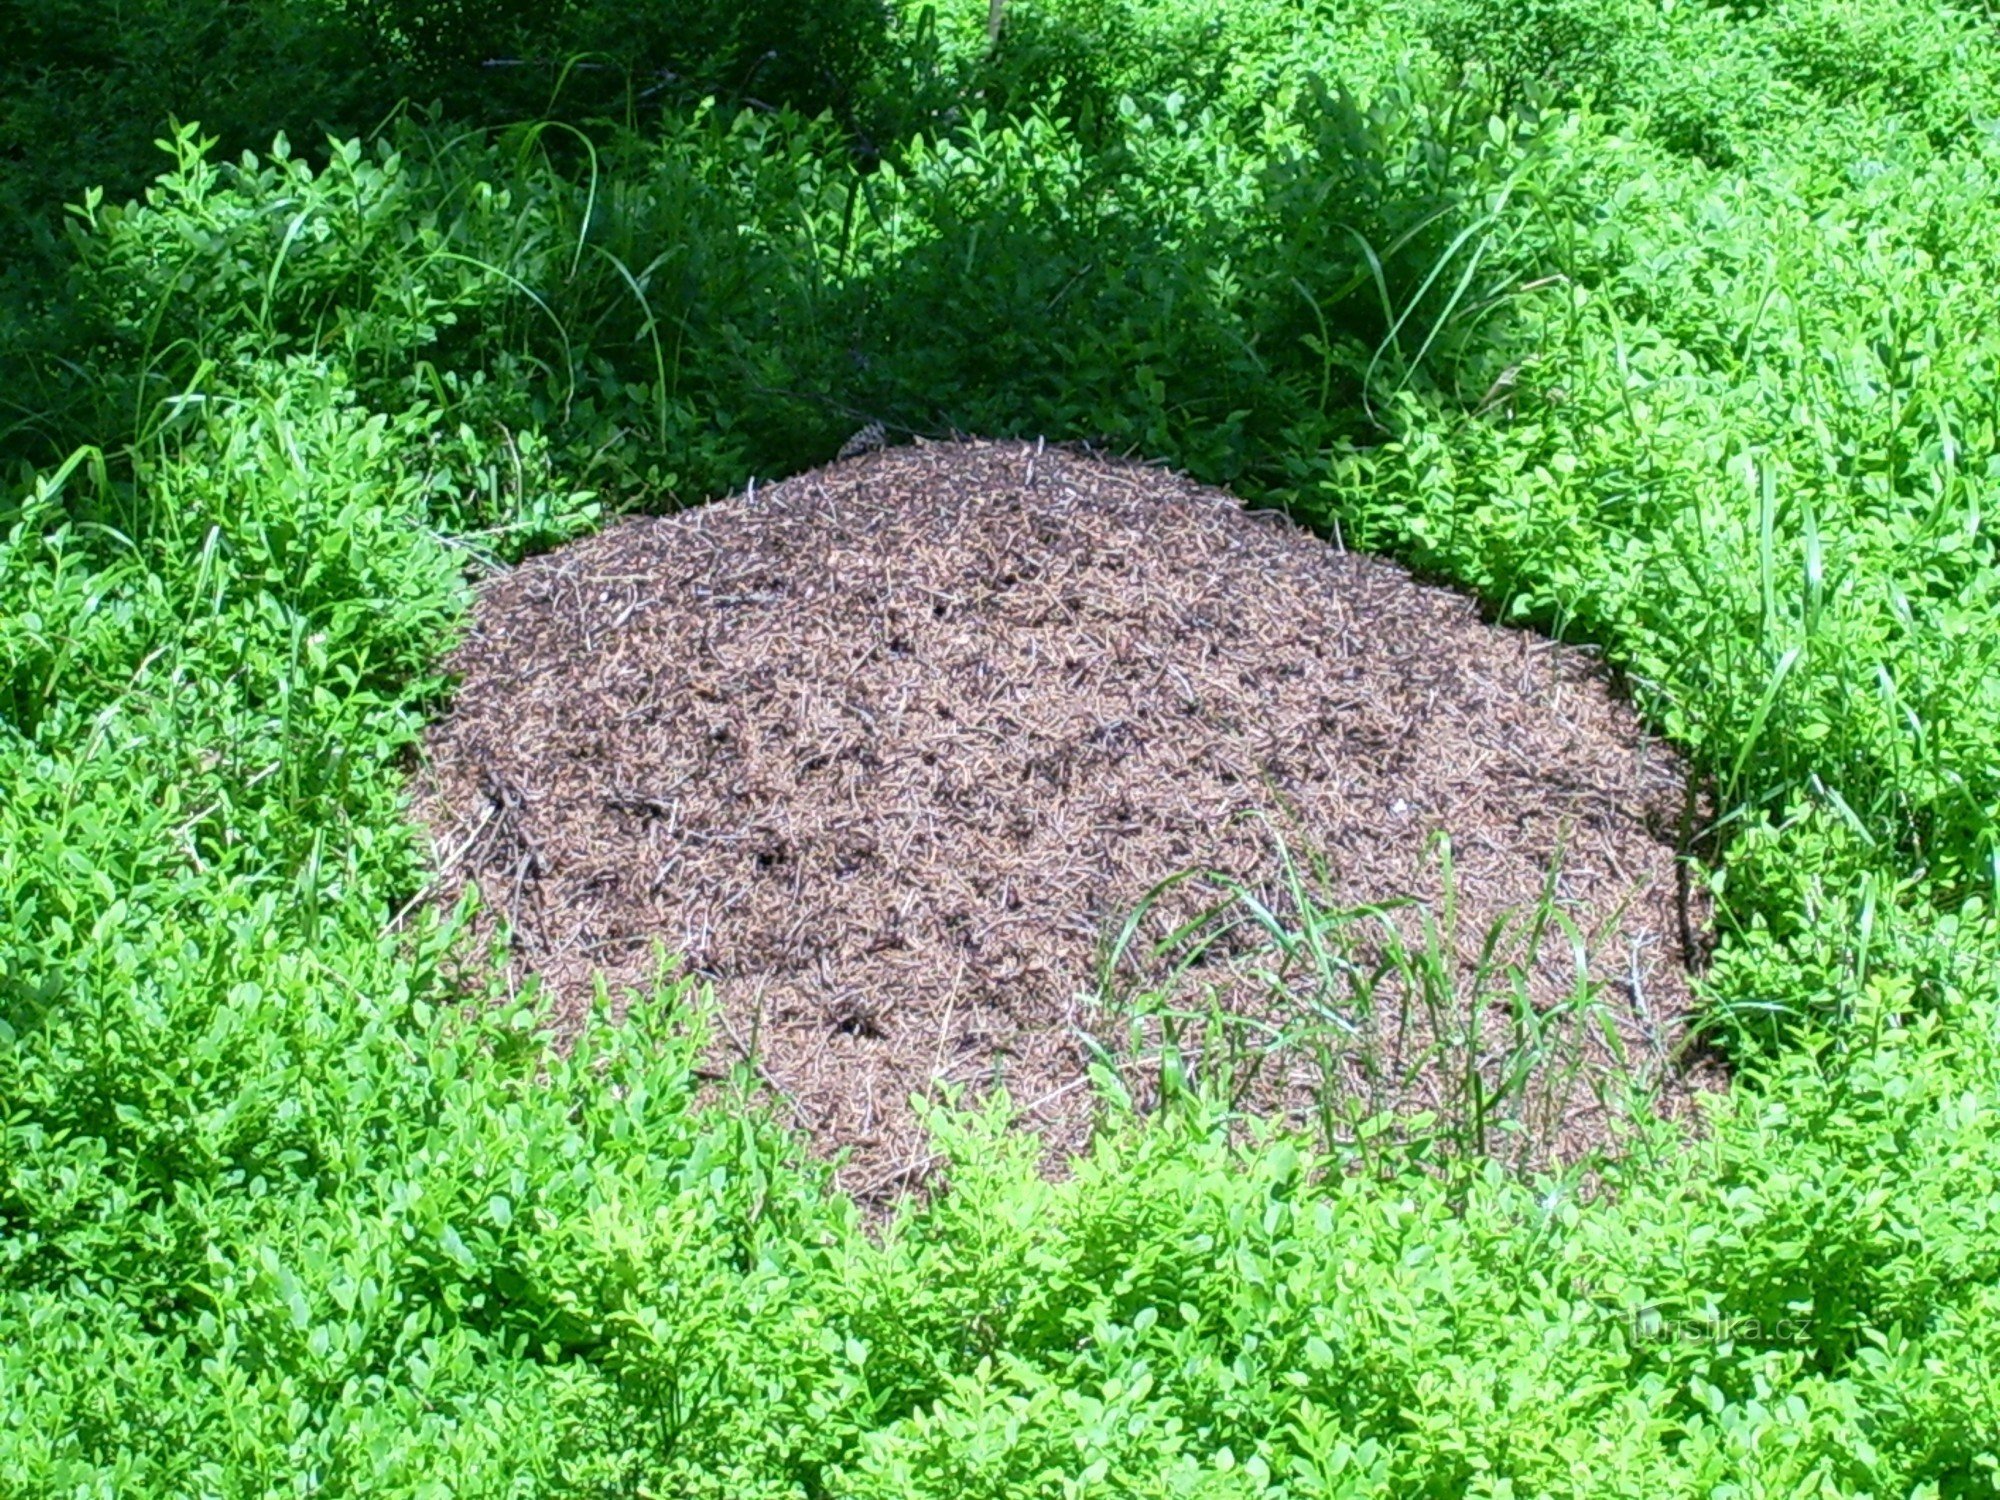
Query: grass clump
[
  {"x": 1669, "y": 329},
  {"x": 1353, "y": 1014}
]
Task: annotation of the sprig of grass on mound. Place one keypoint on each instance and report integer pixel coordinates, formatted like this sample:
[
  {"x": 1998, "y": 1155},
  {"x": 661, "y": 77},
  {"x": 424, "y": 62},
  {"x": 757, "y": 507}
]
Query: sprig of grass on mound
[{"x": 1393, "y": 1034}]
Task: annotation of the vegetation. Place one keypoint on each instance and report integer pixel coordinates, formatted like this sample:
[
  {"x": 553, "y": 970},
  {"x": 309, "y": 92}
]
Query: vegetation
[{"x": 1668, "y": 327}]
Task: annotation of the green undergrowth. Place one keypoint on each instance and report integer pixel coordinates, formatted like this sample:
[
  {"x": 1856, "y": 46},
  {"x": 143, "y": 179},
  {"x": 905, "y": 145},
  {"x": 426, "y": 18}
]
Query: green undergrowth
[{"x": 1669, "y": 329}]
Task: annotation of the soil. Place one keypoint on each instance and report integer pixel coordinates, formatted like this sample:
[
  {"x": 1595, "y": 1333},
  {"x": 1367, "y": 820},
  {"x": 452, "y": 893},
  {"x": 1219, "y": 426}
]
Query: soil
[{"x": 889, "y": 753}]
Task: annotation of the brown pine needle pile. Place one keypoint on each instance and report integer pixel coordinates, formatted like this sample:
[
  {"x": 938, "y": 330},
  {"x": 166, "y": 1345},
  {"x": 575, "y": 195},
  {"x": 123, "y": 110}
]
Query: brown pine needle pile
[{"x": 889, "y": 752}]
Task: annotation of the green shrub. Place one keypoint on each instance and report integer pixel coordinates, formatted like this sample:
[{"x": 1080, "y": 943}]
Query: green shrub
[
  {"x": 1558, "y": 48},
  {"x": 1688, "y": 357}
]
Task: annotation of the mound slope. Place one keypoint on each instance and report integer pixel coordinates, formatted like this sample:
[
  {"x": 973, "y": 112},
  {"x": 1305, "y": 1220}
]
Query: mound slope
[{"x": 887, "y": 751}]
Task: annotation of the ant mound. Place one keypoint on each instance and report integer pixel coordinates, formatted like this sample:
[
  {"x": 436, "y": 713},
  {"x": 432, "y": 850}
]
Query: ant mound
[{"x": 963, "y": 765}]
